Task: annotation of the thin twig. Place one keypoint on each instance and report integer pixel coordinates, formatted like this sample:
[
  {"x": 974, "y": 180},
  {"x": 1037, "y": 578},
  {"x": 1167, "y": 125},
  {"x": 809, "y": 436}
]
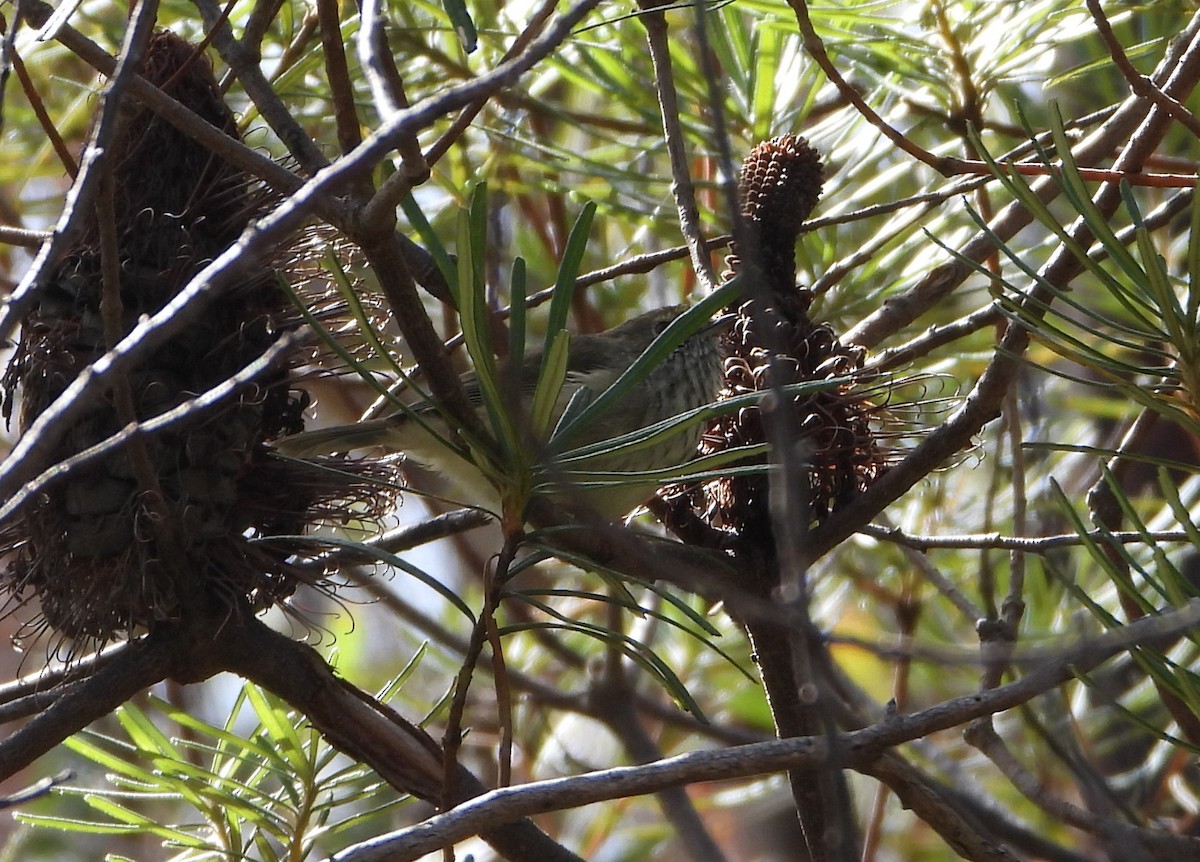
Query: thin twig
[
  {"x": 937, "y": 805},
  {"x": 341, "y": 90},
  {"x": 481, "y": 634},
  {"x": 1013, "y": 607},
  {"x": 933, "y": 338},
  {"x": 502, "y": 681},
  {"x": 43, "y": 118},
  {"x": 907, "y": 609},
  {"x": 682, "y": 189},
  {"x": 1025, "y": 544},
  {"x": 23, "y": 236},
  {"x": 815, "y": 46},
  {"x": 1139, "y": 83}
]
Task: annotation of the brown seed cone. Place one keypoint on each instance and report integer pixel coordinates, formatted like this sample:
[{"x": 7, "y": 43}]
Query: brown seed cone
[
  {"x": 780, "y": 183},
  {"x": 126, "y": 541}
]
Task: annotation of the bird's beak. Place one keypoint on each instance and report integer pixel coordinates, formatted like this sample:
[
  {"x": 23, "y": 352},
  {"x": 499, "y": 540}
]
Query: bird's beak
[{"x": 722, "y": 322}]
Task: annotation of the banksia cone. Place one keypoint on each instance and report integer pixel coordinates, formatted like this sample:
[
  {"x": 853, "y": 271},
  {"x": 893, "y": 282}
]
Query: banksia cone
[
  {"x": 779, "y": 188},
  {"x": 774, "y": 343},
  {"x": 184, "y": 514}
]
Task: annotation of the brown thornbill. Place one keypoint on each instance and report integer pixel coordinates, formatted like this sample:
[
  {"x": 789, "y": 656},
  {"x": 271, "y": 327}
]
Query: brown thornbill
[{"x": 686, "y": 379}]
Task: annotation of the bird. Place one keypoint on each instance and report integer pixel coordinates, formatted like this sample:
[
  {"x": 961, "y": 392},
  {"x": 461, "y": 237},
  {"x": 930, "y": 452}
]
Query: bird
[{"x": 689, "y": 377}]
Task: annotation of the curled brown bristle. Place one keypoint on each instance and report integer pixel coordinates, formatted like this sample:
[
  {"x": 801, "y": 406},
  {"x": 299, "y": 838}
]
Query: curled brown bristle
[{"x": 125, "y": 541}]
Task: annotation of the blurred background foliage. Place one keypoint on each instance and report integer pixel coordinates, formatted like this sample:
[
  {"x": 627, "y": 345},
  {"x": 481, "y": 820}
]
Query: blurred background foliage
[{"x": 583, "y": 126}]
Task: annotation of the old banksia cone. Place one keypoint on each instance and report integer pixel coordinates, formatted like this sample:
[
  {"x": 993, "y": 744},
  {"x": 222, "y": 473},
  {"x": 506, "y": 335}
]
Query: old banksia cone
[
  {"x": 774, "y": 342},
  {"x": 185, "y": 514}
]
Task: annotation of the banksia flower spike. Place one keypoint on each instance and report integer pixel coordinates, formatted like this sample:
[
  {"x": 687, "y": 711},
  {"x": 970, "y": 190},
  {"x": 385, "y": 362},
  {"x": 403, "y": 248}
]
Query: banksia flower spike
[
  {"x": 775, "y": 343},
  {"x": 125, "y": 542}
]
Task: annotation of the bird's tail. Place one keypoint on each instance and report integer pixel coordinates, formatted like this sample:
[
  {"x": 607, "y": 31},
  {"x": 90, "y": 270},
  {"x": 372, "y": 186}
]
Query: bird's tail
[{"x": 337, "y": 438}]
